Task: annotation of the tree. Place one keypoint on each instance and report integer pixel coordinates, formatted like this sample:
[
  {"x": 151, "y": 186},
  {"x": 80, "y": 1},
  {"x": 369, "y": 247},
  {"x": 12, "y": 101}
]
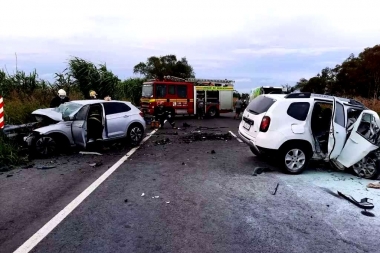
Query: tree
[
  {"x": 131, "y": 89},
  {"x": 90, "y": 77},
  {"x": 158, "y": 67}
]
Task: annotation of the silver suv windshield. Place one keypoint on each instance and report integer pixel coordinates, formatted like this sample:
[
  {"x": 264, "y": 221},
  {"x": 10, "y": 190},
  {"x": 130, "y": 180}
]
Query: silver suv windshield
[{"x": 68, "y": 108}]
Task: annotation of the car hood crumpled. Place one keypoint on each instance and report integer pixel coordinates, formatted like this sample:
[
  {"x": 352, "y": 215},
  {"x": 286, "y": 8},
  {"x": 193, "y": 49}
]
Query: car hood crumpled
[{"x": 50, "y": 113}]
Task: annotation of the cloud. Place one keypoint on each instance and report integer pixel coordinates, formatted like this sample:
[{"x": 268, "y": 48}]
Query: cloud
[{"x": 256, "y": 41}]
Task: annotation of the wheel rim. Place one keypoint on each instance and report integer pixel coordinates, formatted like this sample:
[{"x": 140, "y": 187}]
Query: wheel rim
[
  {"x": 45, "y": 145},
  {"x": 295, "y": 159},
  {"x": 365, "y": 168},
  {"x": 135, "y": 134}
]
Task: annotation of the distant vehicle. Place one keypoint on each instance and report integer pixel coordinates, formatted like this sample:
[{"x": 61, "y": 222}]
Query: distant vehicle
[
  {"x": 117, "y": 120},
  {"x": 180, "y": 95},
  {"x": 266, "y": 90},
  {"x": 298, "y": 127}
]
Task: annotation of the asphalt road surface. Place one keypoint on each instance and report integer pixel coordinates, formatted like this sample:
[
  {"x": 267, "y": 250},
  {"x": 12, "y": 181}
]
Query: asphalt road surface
[{"x": 198, "y": 197}]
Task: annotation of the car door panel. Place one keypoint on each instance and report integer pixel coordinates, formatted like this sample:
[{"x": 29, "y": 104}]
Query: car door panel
[
  {"x": 362, "y": 139},
  {"x": 116, "y": 118},
  {"x": 338, "y": 133},
  {"x": 79, "y": 127}
]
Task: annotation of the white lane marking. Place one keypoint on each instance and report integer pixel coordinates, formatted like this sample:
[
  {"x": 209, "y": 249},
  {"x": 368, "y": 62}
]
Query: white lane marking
[
  {"x": 48, "y": 227},
  {"x": 232, "y": 134}
]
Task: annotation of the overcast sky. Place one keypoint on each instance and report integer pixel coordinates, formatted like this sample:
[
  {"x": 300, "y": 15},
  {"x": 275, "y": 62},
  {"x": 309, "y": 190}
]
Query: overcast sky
[{"x": 253, "y": 42}]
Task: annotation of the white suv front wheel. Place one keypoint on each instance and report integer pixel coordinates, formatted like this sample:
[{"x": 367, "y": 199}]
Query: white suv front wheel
[{"x": 294, "y": 158}]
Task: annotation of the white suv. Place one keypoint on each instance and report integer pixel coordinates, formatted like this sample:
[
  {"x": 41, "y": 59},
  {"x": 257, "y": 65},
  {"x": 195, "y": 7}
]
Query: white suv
[{"x": 298, "y": 127}]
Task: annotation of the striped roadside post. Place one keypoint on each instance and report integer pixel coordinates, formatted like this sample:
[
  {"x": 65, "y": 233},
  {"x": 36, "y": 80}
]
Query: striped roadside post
[{"x": 1, "y": 112}]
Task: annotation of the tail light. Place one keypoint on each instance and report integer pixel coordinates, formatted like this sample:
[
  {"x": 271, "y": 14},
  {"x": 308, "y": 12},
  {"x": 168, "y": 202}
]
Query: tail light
[
  {"x": 265, "y": 122},
  {"x": 141, "y": 114}
]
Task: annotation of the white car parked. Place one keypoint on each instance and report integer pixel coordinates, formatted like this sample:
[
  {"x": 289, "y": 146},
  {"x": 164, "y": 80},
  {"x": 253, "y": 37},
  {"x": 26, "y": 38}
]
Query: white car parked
[{"x": 298, "y": 127}]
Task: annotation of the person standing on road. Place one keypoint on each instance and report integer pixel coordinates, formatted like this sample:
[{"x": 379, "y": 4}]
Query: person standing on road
[
  {"x": 238, "y": 106},
  {"x": 200, "y": 108},
  {"x": 163, "y": 114},
  {"x": 61, "y": 98}
]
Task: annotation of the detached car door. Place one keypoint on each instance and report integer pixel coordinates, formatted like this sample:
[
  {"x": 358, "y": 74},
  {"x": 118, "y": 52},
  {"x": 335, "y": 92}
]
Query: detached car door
[
  {"x": 362, "y": 140},
  {"x": 116, "y": 118},
  {"x": 79, "y": 127},
  {"x": 338, "y": 132}
]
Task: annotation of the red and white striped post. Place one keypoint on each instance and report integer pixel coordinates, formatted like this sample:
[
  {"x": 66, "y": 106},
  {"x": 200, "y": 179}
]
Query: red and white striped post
[{"x": 1, "y": 112}]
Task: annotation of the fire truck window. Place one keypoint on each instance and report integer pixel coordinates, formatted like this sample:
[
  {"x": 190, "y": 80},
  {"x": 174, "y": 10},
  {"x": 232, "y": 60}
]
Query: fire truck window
[
  {"x": 171, "y": 89},
  {"x": 182, "y": 91},
  {"x": 161, "y": 91}
]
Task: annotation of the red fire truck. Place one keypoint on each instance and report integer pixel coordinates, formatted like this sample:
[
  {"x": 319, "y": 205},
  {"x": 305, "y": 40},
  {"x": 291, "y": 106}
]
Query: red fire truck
[{"x": 181, "y": 95}]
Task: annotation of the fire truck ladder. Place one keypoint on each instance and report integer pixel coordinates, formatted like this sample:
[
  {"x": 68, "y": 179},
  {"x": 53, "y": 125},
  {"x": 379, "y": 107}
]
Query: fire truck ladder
[{"x": 196, "y": 80}]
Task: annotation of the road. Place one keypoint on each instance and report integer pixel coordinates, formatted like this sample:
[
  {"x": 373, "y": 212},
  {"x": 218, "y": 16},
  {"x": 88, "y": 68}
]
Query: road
[{"x": 208, "y": 201}]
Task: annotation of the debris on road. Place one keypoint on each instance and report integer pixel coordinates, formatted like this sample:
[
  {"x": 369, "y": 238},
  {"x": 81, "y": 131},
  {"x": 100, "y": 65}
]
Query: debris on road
[
  {"x": 162, "y": 142},
  {"x": 126, "y": 200},
  {"x": 185, "y": 125},
  {"x": 201, "y": 136},
  {"x": 258, "y": 170},
  {"x": 142, "y": 194},
  {"x": 213, "y": 152},
  {"x": 167, "y": 202},
  {"x": 45, "y": 167},
  {"x": 364, "y": 204},
  {"x": 10, "y": 175},
  {"x": 275, "y": 190},
  {"x": 89, "y": 153},
  {"x": 374, "y": 185},
  {"x": 97, "y": 164}
]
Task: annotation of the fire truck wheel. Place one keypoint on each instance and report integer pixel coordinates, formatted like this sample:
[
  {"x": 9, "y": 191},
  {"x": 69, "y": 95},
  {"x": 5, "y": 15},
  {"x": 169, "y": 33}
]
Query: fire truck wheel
[{"x": 212, "y": 112}]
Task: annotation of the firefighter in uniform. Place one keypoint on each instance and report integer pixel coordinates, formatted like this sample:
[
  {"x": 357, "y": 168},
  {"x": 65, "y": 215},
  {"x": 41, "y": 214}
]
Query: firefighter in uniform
[{"x": 163, "y": 114}]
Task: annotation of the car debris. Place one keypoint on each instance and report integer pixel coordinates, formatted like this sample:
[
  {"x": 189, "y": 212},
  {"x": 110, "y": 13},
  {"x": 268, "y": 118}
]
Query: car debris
[
  {"x": 97, "y": 164},
  {"x": 142, "y": 194},
  {"x": 364, "y": 204},
  {"x": 89, "y": 153},
  {"x": 203, "y": 136},
  {"x": 167, "y": 202},
  {"x": 374, "y": 185},
  {"x": 258, "y": 170},
  {"x": 275, "y": 190},
  {"x": 186, "y": 125},
  {"x": 10, "y": 175},
  {"x": 162, "y": 142},
  {"x": 45, "y": 167},
  {"x": 213, "y": 152}
]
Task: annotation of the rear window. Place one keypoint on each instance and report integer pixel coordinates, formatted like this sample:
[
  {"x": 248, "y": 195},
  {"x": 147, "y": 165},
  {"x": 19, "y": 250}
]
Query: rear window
[{"x": 260, "y": 105}]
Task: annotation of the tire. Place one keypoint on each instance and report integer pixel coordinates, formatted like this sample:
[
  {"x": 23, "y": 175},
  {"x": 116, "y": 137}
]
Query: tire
[
  {"x": 368, "y": 167},
  {"x": 46, "y": 146},
  {"x": 294, "y": 158},
  {"x": 135, "y": 134},
  {"x": 212, "y": 112}
]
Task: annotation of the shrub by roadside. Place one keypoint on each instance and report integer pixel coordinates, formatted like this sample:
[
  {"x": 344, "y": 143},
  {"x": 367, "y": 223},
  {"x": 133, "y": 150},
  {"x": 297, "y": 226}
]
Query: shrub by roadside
[{"x": 10, "y": 154}]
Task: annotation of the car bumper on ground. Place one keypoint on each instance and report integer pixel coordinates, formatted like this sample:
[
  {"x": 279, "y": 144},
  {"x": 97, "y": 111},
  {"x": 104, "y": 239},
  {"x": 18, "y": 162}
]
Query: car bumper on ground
[{"x": 248, "y": 142}]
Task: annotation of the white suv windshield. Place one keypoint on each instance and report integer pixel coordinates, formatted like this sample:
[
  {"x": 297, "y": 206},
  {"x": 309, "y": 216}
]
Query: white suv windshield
[{"x": 260, "y": 105}]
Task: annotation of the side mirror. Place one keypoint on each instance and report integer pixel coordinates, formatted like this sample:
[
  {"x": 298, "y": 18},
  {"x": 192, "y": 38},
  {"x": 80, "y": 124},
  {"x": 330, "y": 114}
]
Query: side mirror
[{"x": 66, "y": 118}]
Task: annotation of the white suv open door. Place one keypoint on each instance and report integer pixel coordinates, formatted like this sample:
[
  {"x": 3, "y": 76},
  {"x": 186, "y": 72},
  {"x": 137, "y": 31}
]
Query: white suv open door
[
  {"x": 338, "y": 132},
  {"x": 362, "y": 140}
]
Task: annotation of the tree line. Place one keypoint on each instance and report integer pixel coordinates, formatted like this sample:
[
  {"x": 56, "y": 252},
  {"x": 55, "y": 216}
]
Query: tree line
[{"x": 357, "y": 76}]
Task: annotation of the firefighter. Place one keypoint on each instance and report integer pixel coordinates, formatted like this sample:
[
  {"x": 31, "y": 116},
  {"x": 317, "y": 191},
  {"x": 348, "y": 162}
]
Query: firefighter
[
  {"x": 93, "y": 94},
  {"x": 61, "y": 98},
  {"x": 200, "y": 108},
  {"x": 163, "y": 114}
]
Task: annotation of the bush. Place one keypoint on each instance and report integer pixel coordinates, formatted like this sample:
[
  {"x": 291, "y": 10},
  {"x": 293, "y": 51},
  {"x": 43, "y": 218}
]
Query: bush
[{"x": 9, "y": 153}]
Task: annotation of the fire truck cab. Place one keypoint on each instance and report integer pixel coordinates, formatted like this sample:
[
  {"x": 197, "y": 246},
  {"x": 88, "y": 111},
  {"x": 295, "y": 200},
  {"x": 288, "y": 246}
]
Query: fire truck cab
[{"x": 180, "y": 95}]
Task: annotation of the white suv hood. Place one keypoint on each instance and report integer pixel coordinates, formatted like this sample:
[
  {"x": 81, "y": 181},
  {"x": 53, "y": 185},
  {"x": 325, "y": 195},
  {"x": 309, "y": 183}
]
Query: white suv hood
[{"x": 49, "y": 112}]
